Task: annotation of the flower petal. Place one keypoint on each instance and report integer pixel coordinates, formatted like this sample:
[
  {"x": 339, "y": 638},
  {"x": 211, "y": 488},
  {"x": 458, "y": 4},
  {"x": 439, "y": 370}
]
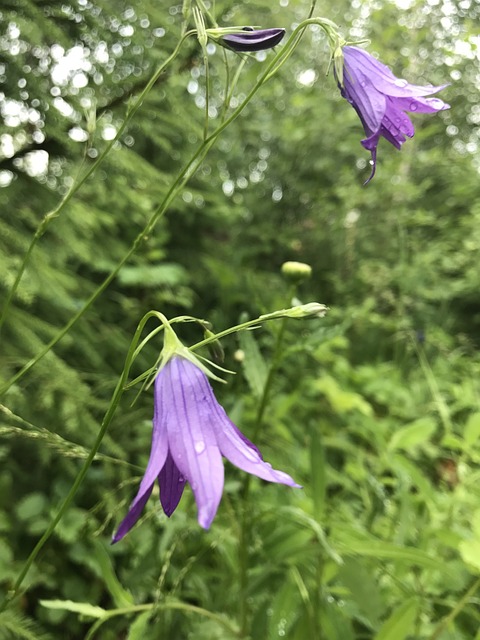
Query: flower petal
[
  {"x": 255, "y": 40},
  {"x": 158, "y": 455},
  {"x": 366, "y": 100},
  {"x": 359, "y": 61},
  {"x": 240, "y": 451},
  {"x": 133, "y": 514},
  {"x": 422, "y": 105},
  {"x": 172, "y": 484},
  {"x": 400, "y": 123},
  {"x": 191, "y": 440}
]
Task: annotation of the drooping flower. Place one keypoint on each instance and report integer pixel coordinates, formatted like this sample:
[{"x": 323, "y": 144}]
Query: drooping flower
[
  {"x": 381, "y": 99},
  {"x": 191, "y": 432},
  {"x": 249, "y": 39}
]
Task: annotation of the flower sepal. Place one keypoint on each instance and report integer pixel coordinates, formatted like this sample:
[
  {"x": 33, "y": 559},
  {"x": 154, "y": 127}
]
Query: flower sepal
[{"x": 173, "y": 347}]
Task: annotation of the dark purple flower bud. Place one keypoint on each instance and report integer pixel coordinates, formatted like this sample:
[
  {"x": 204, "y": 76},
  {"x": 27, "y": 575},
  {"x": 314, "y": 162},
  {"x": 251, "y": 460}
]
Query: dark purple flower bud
[
  {"x": 191, "y": 433},
  {"x": 253, "y": 40},
  {"x": 381, "y": 99}
]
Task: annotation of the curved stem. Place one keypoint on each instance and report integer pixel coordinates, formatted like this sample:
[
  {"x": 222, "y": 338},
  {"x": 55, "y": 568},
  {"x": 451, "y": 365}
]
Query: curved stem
[
  {"x": 117, "y": 394},
  {"x": 184, "y": 175},
  {"x": 181, "y": 606},
  {"x": 56, "y": 211},
  {"x": 461, "y": 604},
  {"x": 246, "y": 513}
]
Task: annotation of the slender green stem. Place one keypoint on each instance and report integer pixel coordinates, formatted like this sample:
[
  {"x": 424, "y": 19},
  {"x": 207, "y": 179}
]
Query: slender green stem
[
  {"x": 54, "y": 213},
  {"x": 181, "y": 606},
  {"x": 117, "y": 394},
  {"x": 184, "y": 175},
  {"x": 177, "y": 185},
  {"x": 207, "y": 92},
  {"x": 246, "y": 512},
  {"x": 461, "y": 604}
]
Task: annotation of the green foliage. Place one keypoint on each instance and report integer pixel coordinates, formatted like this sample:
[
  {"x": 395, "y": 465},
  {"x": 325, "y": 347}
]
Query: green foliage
[{"x": 374, "y": 409}]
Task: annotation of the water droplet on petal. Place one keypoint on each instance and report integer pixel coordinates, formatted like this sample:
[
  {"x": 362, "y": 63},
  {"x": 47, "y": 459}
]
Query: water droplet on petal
[
  {"x": 413, "y": 106},
  {"x": 199, "y": 446},
  {"x": 400, "y": 82},
  {"x": 181, "y": 479}
]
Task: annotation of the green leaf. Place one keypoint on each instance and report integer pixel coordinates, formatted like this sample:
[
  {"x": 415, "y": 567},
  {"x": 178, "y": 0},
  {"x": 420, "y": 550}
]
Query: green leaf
[
  {"x": 139, "y": 627},
  {"x": 121, "y": 597},
  {"x": 165, "y": 274},
  {"x": 470, "y": 552},
  {"x": 82, "y": 608},
  {"x": 31, "y": 506},
  {"x": 400, "y": 624},
  {"x": 389, "y": 551},
  {"x": 414, "y": 434},
  {"x": 342, "y": 401},
  {"x": 318, "y": 474},
  {"x": 254, "y": 366},
  {"x": 358, "y": 577},
  {"x": 471, "y": 432}
]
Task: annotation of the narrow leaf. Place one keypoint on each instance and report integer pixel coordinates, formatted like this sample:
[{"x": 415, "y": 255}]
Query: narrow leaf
[
  {"x": 400, "y": 624},
  {"x": 254, "y": 366},
  {"x": 82, "y": 608}
]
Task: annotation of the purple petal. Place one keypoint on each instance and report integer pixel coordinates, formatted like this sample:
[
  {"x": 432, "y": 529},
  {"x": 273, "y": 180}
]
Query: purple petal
[
  {"x": 400, "y": 123},
  {"x": 171, "y": 484},
  {"x": 367, "y": 101},
  {"x": 240, "y": 451},
  {"x": 158, "y": 455},
  {"x": 191, "y": 439},
  {"x": 133, "y": 514},
  {"x": 359, "y": 61},
  {"x": 421, "y": 105},
  {"x": 255, "y": 40}
]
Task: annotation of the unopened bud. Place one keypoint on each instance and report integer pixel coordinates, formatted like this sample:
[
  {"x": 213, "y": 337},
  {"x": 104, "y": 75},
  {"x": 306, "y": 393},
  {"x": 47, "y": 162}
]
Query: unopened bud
[
  {"x": 296, "y": 271},
  {"x": 309, "y": 310},
  {"x": 239, "y": 355}
]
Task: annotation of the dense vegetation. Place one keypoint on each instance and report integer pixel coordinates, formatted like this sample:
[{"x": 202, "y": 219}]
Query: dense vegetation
[{"x": 374, "y": 408}]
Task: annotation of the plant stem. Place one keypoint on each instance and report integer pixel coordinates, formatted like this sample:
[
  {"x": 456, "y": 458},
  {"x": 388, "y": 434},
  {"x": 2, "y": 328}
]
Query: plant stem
[
  {"x": 245, "y": 528},
  {"x": 54, "y": 213},
  {"x": 461, "y": 604},
  {"x": 117, "y": 394},
  {"x": 182, "y": 178},
  {"x": 182, "y": 606}
]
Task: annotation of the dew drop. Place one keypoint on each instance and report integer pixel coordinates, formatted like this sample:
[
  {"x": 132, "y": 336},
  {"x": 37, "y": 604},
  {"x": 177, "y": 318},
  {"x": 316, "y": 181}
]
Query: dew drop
[
  {"x": 400, "y": 82},
  {"x": 199, "y": 446},
  {"x": 413, "y": 106},
  {"x": 181, "y": 479}
]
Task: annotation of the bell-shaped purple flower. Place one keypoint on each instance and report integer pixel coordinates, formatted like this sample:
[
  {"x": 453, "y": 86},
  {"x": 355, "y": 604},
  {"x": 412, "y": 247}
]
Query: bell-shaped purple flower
[
  {"x": 252, "y": 39},
  {"x": 381, "y": 99},
  {"x": 191, "y": 432}
]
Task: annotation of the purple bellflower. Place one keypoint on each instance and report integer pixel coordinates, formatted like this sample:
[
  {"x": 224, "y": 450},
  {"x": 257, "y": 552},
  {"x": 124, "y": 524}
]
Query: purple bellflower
[
  {"x": 249, "y": 39},
  {"x": 381, "y": 99},
  {"x": 191, "y": 432}
]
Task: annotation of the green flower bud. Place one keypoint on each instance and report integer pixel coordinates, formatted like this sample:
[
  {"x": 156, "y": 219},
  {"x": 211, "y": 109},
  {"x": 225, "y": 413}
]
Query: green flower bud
[{"x": 296, "y": 271}]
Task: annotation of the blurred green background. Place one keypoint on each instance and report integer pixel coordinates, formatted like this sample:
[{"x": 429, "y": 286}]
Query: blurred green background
[{"x": 374, "y": 409}]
